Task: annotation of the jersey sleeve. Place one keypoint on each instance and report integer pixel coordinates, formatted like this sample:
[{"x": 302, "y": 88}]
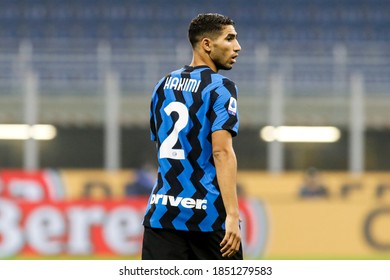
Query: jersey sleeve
[
  {"x": 225, "y": 108},
  {"x": 153, "y": 132},
  {"x": 153, "y": 105}
]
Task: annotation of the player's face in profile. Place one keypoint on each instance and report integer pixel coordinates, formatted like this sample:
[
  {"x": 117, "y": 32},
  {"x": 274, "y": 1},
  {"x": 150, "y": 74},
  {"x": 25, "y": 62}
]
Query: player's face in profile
[{"x": 225, "y": 48}]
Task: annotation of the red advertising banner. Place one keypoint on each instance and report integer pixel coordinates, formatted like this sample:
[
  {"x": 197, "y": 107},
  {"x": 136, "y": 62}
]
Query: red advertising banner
[
  {"x": 31, "y": 186},
  {"x": 86, "y": 228},
  {"x": 71, "y": 228},
  {"x": 36, "y": 222}
]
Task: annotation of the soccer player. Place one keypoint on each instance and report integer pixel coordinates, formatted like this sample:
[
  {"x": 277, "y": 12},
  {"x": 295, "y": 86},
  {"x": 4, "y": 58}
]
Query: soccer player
[{"x": 193, "y": 211}]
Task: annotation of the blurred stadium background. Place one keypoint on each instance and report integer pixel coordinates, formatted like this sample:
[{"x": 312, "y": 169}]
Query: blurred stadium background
[{"x": 87, "y": 68}]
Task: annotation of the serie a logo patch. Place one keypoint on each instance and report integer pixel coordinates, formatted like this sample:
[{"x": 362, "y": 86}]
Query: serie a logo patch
[{"x": 232, "y": 109}]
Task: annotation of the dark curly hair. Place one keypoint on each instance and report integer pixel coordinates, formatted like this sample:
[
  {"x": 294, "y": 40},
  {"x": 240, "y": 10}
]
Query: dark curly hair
[{"x": 207, "y": 24}]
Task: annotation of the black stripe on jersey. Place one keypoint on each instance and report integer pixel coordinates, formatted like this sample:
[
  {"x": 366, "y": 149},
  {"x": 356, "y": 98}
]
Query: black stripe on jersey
[
  {"x": 205, "y": 76},
  {"x": 171, "y": 176},
  {"x": 229, "y": 124},
  {"x": 152, "y": 122},
  {"x": 175, "y": 170},
  {"x": 230, "y": 86},
  {"x": 161, "y": 99},
  {"x": 211, "y": 113},
  {"x": 194, "y": 154}
]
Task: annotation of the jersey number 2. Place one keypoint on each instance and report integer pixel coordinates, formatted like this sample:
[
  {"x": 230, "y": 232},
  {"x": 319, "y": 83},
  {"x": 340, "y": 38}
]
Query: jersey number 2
[{"x": 166, "y": 148}]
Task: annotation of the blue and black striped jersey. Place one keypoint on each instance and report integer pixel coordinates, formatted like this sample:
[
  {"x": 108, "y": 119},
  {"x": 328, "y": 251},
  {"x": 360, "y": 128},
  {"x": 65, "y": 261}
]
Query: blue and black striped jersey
[{"x": 187, "y": 107}]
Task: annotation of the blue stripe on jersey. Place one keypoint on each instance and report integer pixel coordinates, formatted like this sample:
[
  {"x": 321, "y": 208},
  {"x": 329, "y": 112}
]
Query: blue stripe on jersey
[
  {"x": 188, "y": 191},
  {"x": 187, "y": 106},
  {"x": 208, "y": 221}
]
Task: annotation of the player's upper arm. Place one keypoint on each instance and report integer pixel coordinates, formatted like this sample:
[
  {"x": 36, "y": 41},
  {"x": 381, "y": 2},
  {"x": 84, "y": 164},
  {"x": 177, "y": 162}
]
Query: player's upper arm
[
  {"x": 221, "y": 141},
  {"x": 225, "y": 109}
]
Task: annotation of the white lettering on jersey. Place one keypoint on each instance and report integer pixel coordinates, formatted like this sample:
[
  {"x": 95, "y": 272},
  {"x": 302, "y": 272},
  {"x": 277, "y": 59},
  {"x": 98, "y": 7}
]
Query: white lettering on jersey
[
  {"x": 185, "y": 202},
  {"x": 183, "y": 84}
]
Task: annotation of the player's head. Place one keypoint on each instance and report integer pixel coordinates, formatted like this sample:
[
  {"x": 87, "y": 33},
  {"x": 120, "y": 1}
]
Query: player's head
[
  {"x": 216, "y": 36},
  {"x": 207, "y": 25}
]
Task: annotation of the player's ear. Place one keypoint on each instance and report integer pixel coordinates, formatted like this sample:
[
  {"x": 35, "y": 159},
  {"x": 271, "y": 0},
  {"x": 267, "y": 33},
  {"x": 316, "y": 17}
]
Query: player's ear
[{"x": 206, "y": 44}]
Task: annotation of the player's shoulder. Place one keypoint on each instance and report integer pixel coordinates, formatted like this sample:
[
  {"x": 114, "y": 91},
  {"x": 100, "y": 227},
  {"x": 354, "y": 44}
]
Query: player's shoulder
[
  {"x": 224, "y": 83},
  {"x": 220, "y": 80}
]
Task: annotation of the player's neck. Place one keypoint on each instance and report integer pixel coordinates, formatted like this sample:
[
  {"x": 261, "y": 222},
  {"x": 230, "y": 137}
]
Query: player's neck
[{"x": 200, "y": 60}]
